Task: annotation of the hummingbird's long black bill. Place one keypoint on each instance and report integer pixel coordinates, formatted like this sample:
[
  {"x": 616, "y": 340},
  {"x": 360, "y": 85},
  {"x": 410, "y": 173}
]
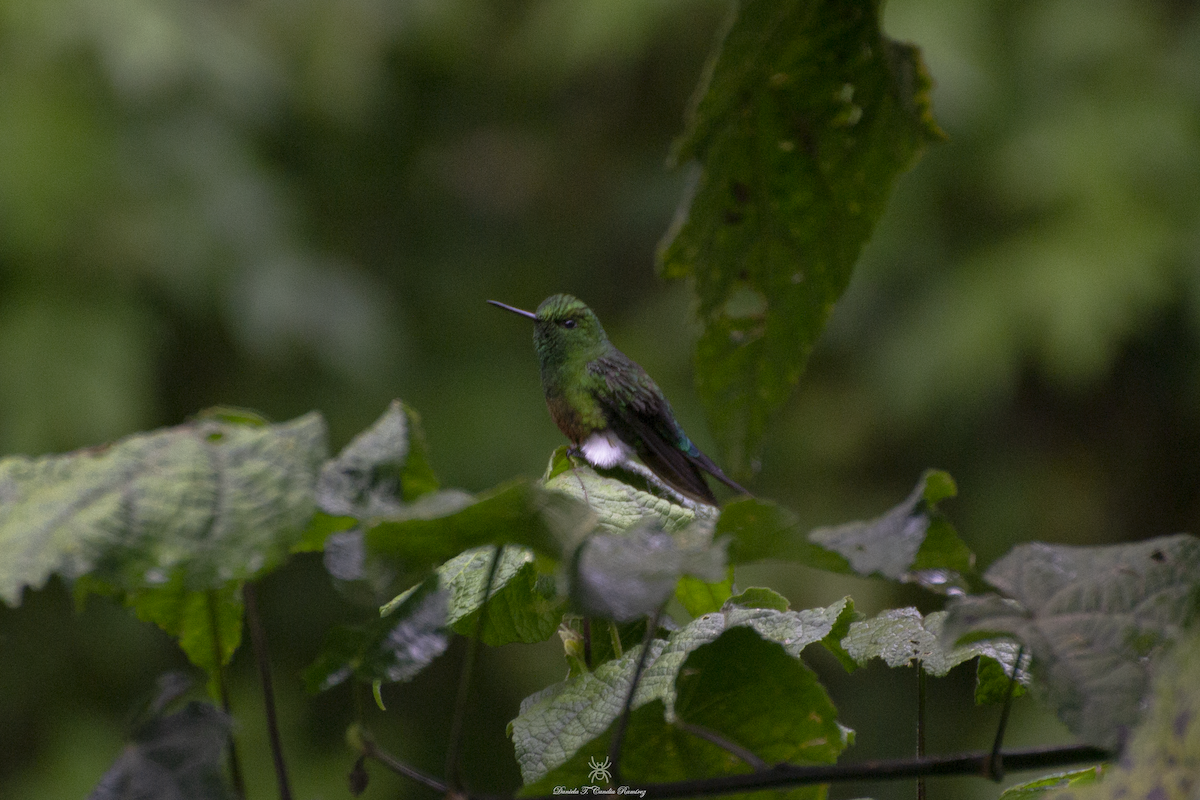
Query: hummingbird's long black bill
[{"x": 520, "y": 311}]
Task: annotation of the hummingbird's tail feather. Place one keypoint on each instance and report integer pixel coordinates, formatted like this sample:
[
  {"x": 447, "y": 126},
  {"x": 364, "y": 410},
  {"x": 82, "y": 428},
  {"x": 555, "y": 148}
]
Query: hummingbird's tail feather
[{"x": 672, "y": 465}]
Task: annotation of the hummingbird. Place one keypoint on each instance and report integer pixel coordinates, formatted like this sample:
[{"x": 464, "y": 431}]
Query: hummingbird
[{"x": 606, "y": 404}]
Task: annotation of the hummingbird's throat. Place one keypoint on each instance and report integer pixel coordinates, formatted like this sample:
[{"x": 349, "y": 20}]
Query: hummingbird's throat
[{"x": 603, "y": 449}]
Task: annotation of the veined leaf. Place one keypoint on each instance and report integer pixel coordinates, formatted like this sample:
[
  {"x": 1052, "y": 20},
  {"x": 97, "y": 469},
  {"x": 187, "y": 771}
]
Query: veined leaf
[
  {"x": 1162, "y": 757},
  {"x": 432, "y": 531},
  {"x": 625, "y": 576},
  {"x": 523, "y": 606},
  {"x": 747, "y": 690},
  {"x": 1094, "y": 619},
  {"x": 556, "y": 723},
  {"x": 382, "y": 468},
  {"x": 808, "y": 115},
  {"x": 207, "y": 503},
  {"x": 901, "y": 636},
  {"x": 620, "y": 497}
]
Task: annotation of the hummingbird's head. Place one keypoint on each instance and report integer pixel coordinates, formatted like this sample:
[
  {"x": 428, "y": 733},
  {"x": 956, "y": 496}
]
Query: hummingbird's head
[{"x": 564, "y": 328}]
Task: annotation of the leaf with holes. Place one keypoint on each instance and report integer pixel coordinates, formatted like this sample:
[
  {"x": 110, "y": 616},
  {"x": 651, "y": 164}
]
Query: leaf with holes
[{"x": 807, "y": 117}]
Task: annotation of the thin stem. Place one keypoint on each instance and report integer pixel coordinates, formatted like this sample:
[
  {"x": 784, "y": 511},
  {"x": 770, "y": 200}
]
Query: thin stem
[
  {"x": 614, "y": 635},
  {"x": 920, "y": 725},
  {"x": 587, "y": 642},
  {"x": 454, "y": 749},
  {"x": 258, "y": 641},
  {"x": 720, "y": 741},
  {"x": 235, "y": 764},
  {"x": 372, "y": 750},
  {"x": 995, "y": 765},
  {"x": 614, "y": 747}
]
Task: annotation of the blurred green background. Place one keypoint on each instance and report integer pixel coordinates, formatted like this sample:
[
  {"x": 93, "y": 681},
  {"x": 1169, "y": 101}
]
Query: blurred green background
[{"x": 303, "y": 204}]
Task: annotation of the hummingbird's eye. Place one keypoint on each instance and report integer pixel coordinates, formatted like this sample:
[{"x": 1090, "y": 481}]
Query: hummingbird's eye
[{"x": 568, "y": 323}]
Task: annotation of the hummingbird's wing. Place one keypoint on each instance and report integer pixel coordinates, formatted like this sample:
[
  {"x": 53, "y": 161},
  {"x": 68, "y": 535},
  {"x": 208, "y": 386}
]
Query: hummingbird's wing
[{"x": 639, "y": 414}]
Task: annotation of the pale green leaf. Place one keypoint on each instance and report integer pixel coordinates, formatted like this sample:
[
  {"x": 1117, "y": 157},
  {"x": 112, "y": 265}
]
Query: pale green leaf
[{"x": 207, "y": 503}]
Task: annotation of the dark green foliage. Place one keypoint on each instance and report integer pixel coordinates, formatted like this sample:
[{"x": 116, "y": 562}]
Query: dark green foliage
[
  {"x": 178, "y": 756},
  {"x": 402, "y": 642},
  {"x": 807, "y": 117}
]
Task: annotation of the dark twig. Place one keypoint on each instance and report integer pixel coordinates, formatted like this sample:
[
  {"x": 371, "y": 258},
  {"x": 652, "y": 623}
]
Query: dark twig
[
  {"x": 258, "y": 641},
  {"x": 787, "y": 776},
  {"x": 367, "y": 746},
  {"x": 235, "y": 764},
  {"x": 464, "y": 679},
  {"x": 720, "y": 741},
  {"x": 995, "y": 766},
  {"x": 920, "y": 725},
  {"x": 614, "y": 747}
]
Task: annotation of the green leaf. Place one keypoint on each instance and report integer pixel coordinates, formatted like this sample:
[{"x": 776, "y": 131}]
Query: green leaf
[
  {"x": 625, "y": 576},
  {"x": 1162, "y": 758},
  {"x": 206, "y": 503},
  {"x": 807, "y": 117},
  {"x": 1094, "y": 619},
  {"x": 758, "y": 597},
  {"x": 181, "y": 755},
  {"x": 441, "y": 525},
  {"x": 382, "y": 468},
  {"x": 620, "y": 497},
  {"x": 912, "y": 542},
  {"x": 407, "y": 637},
  {"x": 900, "y": 636},
  {"x": 207, "y": 623},
  {"x": 759, "y": 530},
  {"x": 699, "y": 597},
  {"x": 1042, "y": 788},
  {"x": 748, "y": 691},
  {"x": 523, "y": 606},
  {"x": 554, "y": 724}
]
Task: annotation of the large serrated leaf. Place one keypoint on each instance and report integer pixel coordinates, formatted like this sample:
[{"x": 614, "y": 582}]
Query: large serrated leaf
[
  {"x": 747, "y": 690},
  {"x": 382, "y": 468},
  {"x": 554, "y": 726},
  {"x": 807, "y": 117},
  {"x": 1094, "y": 618},
  {"x": 620, "y": 498},
  {"x": 901, "y": 636},
  {"x": 1162, "y": 758},
  {"x": 213, "y": 501}
]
